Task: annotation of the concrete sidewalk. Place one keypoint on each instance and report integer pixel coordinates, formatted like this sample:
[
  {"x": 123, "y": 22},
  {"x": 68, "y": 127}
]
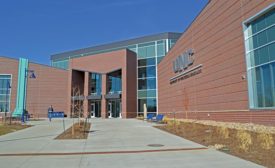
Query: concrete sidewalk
[{"x": 111, "y": 143}]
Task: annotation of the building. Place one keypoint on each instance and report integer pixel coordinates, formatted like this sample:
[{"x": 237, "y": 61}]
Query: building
[
  {"x": 150, "y": 51},
  {"x": 106, "y": 83},
  {"x": 112, "y": 80},
  {"x": 21, "y": 89},
  {"x": 222, "y": 67}
]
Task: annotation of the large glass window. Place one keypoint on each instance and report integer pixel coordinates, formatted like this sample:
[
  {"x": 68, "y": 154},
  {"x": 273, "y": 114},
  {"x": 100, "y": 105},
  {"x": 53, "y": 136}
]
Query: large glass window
[
  {"x": 5, "y": 91},
  {"x": 151, "y": 104},
  {"x": 114, "y": 82},
  {"x": 95, "y": 83},
  {"x": 148, "y": 83},
  {"x": 146, "y": 51},
  {"x": 146, "y": 72},
  {"x": 260, "y": 56},
  {"x": 63, "y": 64},
  {"x": 146, "y": 62}
]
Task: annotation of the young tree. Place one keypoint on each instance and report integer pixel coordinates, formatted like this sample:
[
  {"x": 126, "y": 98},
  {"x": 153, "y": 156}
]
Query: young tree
[
  {"x": 185, "y": 102},
  {"x": 77, "y": 105}
]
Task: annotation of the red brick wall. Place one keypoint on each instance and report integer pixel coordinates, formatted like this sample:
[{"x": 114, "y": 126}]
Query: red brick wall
[
  {"x": 10, "y": 66},
  {"x": 216, "y": 36},
  {"x": 48, "y": 88},
  {"x": 108, "y": 62}
]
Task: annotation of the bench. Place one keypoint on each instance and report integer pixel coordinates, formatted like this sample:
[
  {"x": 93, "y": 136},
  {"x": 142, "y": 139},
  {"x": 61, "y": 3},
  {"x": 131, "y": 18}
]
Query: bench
[
  {"x": 158, "y": 118},
  {"x": 150, "y": 117}
]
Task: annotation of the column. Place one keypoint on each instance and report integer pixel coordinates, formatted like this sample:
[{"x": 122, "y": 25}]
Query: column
[
  {"x": 69, "y": 104},
  {"x": 103, "y": 93},
  {"x": 86, "y": 93}
]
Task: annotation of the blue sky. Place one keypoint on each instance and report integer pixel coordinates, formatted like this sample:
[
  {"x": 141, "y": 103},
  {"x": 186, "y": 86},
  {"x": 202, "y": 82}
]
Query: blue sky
[{"x": 35, "y": 29}]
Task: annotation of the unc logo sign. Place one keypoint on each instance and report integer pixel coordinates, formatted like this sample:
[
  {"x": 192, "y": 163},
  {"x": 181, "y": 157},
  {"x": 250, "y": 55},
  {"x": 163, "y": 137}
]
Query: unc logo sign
[{"x": 183, "y": 61}]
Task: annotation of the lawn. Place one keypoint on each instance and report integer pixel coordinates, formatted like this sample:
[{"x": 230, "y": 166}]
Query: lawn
[{"x": 7, "y": 128}]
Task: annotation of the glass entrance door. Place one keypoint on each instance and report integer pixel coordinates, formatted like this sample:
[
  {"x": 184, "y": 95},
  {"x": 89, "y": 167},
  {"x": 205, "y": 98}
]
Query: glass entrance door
[
  {"x": 93, "y": 110},
  {"x": 114, "y": 108},
  {"x": 110, "y": 110}
]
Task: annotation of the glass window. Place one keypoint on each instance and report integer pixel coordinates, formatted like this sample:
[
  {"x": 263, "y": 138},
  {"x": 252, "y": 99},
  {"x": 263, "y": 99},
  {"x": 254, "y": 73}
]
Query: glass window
[
  {"x": 95, "y": 83},
  {"x": 270, "y": 18},
  {"x": 114, "y": 82},
  {"x": 161, "y": 42},
  {"x": 271, "y": 51},
  {"x": 146, "y": 62},
  {"x": 149, "y": 83},
  {"x": 147, "y": 93},
  {"x": 267, "y": 88},
  {"x": 159, "y": 59},
  {"x": 262, "y": 38},
  {"x": 263, "y": 55},
  {"x": 146, "y": 72},
  {"x": 146, "y": 52},
  {"x": 271, "y": 34},
  {"x": 5, "y": 91},
  {"x": 64, "y": 64},
  {"x": 161, "y": 50},
  {"x": 151, "y": 52},
  {"x": 261, "y": 64},
  {"x": 151, "y": 104}
]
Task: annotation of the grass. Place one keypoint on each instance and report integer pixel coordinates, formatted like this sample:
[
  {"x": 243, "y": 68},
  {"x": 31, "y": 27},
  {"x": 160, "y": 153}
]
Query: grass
[{"x": 7, "y": 128}]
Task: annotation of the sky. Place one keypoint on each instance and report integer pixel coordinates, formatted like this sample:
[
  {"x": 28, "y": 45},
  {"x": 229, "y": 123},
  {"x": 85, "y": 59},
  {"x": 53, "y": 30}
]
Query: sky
[{"x": 36, "y": 29}]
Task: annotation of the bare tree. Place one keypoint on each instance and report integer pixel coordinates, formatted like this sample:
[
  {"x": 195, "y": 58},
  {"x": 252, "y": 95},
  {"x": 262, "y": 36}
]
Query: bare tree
[
  {"x": 77, "y": 105},
  {"x": 185, "y": 102}
]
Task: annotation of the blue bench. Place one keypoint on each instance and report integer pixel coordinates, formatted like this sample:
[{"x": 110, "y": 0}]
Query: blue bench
[
  {"x": 158, "y": 118},
  {"x": 150, "y": 116},
  {"x": 55, "y": 114}
]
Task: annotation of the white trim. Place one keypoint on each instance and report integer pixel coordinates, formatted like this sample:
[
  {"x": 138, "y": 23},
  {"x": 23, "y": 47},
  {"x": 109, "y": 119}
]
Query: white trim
[
  {"x": 146, "y": 66},
  {"x": 268, "y": 27},
  {"x": 249, "y": 51},
  {"x": 146, "y": 78},
  {"x": 156, "y": 61},
  {"x": 10, "y": 92},
  {"x": 269, "y": 62},
  {"x": 146, "y": 89},
  {"x": 167, "y": 45},
  {"x": 259, "y": 14}
]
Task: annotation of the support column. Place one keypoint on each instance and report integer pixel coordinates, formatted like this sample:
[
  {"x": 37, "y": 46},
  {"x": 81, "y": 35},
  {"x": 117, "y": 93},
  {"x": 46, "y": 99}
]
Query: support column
[
  {"x": 86, "y": 93},
  {"x": 69, "y": 104},
  {"x": 103, "y": 93}
]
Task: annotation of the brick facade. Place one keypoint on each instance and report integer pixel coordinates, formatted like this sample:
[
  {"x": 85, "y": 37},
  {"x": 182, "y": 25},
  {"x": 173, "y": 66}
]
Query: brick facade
[
  {"x": 48, "y": 88},
  {"x": 219, "y": 91}
]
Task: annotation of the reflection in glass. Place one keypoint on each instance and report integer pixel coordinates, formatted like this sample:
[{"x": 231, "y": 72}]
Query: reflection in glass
[
  {"x": 95, "y": 83},
  {"x": 114, "y": 82}
]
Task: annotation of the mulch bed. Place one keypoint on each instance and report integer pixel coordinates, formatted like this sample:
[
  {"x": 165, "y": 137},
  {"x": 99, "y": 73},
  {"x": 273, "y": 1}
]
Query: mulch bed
[
  {"x": 80, "y": 131},
  {"x": 252, "y": 146}
]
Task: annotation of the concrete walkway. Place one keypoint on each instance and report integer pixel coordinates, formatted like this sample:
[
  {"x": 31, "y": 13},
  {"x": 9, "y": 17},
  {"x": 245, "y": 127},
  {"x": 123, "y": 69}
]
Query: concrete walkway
[{"x": 114, "y": 143}]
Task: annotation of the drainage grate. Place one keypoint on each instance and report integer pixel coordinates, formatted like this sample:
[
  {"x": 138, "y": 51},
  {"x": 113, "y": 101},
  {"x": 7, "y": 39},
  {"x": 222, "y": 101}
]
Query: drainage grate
[{"x": 155, "y": 145}]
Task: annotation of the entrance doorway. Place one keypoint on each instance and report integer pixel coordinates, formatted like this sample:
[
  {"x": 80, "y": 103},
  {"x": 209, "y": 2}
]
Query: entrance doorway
[
  {"x": 95, "y": 109},
  {"x": 114, "y": 108}
]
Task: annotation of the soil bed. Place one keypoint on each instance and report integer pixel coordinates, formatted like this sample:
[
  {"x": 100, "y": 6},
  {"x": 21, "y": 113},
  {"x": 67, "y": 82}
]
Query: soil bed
[
  {"x": 7, "y": 128},
  {"x": 257, "y": 147},
  {"x": 81, "y": 131}
]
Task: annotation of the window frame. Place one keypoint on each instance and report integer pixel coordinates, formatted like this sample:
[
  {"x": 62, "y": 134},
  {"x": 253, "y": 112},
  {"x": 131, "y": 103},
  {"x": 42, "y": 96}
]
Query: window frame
[
  {"x": 9, "y": 111},
  {"x": 251, "y": 89}
]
